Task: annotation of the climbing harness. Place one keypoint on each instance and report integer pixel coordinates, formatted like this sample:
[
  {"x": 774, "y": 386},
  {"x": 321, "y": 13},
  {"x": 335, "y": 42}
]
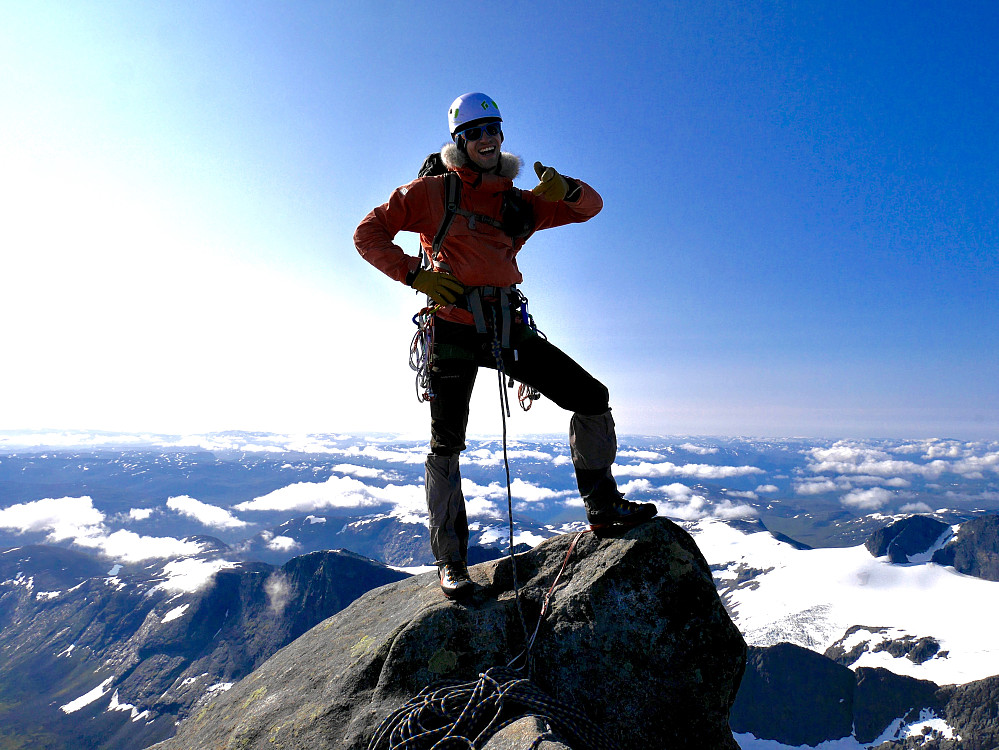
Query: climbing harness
[{"x": 510, "y": 302}]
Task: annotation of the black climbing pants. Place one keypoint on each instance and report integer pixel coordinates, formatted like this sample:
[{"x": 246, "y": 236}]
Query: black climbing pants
[{"x": 459, "y": 352}]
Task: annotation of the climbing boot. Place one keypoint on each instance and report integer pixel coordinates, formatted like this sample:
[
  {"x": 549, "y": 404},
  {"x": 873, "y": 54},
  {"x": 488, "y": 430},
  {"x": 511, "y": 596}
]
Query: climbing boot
[
  {"x": 455, "y": 582},
  {"x": 619, "y": 515}
]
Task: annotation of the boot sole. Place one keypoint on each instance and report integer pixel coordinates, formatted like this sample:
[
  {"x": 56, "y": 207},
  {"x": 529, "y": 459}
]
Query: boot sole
[{"x": 460, "y": 593}]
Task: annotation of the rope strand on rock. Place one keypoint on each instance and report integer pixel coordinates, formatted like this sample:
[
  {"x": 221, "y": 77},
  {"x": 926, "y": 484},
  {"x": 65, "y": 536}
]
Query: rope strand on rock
[{"x": 453, "y": 715}]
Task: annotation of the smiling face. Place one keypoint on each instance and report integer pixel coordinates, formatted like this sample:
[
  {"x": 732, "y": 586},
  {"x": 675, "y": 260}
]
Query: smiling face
[{"x": 485, "y": 150}]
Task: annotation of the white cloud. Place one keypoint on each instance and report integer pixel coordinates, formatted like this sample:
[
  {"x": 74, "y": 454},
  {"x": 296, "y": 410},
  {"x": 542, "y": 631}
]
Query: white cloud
[
  {"x": 278, "y": 592},
  {"x": 864, "y": 479},
  {"x": 359, "y": 471},
  {"x": 693, "y": 510},
  {"x": 204, "y": 513},
  {"x": 988, "y": 496},
  {"x": 131, "y": 547},
  {"x": 767, "y": 489},
  {"x": 282, "y": 544},
  {"x": 817, "y": 486},
  {"x": 916, "y": 508},
  {"x": 644, "y": 455},
  {"x": 410, "y": 455},
  {"x": 480, "y": 507},
  {"x": 533, "y": 493},
  {"x": 871, "y": 499},
  {"x": 974, "y": 467},
  {"x": 636, "y": 485},
  {"x": 697, "y": 471},
  {"x": 730, "y": 511},
  {"x": 335, "y": 492},
  {"x": 487, "y": 457},
  {"x": 685, "y": 505},
  {"x": 521, "y": 490},
  {"x": 845, "y": 458},
  {"x": 699, "y": 449},
  {"x": 76, "y": 519},
  {"x": 63, "y": 518},
  {"x": 140, "y": 514},
  {"x": 945, "y": 450},
  {"x": 677, "y": 491}
]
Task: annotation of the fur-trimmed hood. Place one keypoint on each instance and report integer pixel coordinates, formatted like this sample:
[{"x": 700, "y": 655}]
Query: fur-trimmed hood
[{"x": 453, "y": 158}]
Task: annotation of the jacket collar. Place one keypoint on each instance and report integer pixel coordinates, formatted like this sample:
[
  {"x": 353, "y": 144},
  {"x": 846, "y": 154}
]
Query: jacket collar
[{"x": 509, "y": 164}]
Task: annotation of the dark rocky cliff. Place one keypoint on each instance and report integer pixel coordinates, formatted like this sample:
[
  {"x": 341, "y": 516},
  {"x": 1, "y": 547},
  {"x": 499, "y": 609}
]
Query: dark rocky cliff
[
  {"x": 636, "y": 638},
  {"x": 797, "y": 697},
  {"x": 903, "y": 539},
  {"x": 974, "y": 551}
]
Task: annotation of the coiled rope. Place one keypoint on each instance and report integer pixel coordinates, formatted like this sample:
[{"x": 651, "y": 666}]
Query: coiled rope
[
  {"x": 421, "y": 351},
  {"x": 454, "y": 714}
]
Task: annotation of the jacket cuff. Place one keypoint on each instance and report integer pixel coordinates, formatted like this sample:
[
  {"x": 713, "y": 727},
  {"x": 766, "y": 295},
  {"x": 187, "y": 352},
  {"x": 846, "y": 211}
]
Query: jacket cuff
[
  {"x": 411, "y": 276},
  {"x": 575, "y": 190}
]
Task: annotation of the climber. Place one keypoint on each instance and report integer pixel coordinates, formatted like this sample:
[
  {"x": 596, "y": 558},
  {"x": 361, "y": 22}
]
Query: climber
[{"x": 479, "y": 320}]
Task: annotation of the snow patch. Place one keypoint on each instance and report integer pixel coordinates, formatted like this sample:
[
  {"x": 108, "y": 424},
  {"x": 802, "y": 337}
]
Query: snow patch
[
  {"x": 87, "y": 698},
  {"x": 115, "y": 705},
  {"x": 175, "y": 614}
]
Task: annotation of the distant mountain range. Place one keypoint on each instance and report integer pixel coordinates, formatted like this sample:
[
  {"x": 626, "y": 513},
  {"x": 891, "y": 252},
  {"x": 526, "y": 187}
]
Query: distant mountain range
[
  {"x": 112, "y": 658},
  {"x": 139, "y": 575}
]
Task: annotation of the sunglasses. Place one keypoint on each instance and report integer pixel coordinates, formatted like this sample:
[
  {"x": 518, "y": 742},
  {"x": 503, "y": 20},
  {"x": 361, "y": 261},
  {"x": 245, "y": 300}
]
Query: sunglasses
[{"x": 473, "y": 134}]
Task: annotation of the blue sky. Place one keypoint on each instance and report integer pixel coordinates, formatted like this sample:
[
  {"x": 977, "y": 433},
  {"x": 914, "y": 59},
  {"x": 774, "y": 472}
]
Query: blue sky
[{"x": 799, "y": 235}]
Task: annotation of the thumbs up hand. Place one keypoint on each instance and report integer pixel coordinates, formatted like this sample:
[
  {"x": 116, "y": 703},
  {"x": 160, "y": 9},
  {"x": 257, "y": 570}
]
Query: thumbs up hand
[{"x": 552, "y": 185}]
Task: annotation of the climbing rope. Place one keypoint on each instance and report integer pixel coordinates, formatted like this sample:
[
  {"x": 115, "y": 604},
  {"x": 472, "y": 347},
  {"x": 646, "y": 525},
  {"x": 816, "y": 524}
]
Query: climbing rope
[
  {"x": 466, "y": 714},
  {"x": 421, "y": 352},
  {"x": 504, "y": 413},
  {"x": 526, "y": 653}
]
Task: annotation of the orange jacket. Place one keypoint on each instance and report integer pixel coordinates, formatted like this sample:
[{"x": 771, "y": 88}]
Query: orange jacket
[{"x": 479, "y": 256}]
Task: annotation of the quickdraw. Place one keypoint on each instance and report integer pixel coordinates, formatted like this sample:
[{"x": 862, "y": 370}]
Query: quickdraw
[{"x": 526, "y": 395}]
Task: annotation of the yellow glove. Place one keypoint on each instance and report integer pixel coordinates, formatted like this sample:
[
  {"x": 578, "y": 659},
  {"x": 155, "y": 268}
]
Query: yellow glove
[
  {"x": 442, "y": 288},
  {"x": 553, "y": 186}
]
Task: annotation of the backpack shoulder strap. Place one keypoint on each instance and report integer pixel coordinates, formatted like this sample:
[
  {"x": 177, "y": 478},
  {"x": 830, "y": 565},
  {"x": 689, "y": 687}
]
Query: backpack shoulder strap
[{"x": 452, "y": 199}]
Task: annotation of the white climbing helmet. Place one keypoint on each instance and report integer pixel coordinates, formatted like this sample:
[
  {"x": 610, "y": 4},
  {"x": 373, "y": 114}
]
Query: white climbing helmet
[{"x": 471, "y": 109}]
